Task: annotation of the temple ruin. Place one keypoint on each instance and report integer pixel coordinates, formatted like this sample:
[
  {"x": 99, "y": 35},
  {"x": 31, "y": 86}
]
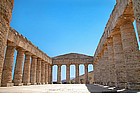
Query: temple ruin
[{"x": 116, "y": 60}]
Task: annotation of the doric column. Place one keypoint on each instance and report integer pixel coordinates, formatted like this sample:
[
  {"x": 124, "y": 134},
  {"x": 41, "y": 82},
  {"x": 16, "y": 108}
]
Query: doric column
[
  {"x": 8, "y": 66},
  {"x": 112, "y": 74},
  {"x": 19, "y": 68},
  {"x": 77, "y": 73},
  {"x": 6, "y": 7},
  {"x": 43, "y": 72},
  {"x": 132, "y": 55},
  {"x": 26, "y": 70},
  {"x": 68, "y": 73},
  {"x": 33, "y": 70},
  {"x": 38, "y": 72},
  {"x": 86, "y": 73},
  {"x": 59, "y": 74},
  {"x": 50, "y": 74},
  {"x": 106, "y": 66},
  {"x": 136, "y": 7},
  {"x": 119, "y": 60},
  {"x": 96, "y": 71},
  {"x": 46, "y": 73},
  {"x": 102, "y": 69}
]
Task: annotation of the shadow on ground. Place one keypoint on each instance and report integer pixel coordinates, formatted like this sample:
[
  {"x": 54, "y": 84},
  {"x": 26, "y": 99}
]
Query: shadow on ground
[{"x": 94, "y": 88}]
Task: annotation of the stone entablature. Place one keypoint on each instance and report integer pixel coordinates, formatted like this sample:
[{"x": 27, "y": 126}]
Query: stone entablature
[
  {"x": 72, "y": 58},
  {"x": 21, "y": 42}
]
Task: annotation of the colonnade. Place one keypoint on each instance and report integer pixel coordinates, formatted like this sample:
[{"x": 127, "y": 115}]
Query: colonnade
[
  {"x": 68, "y": 73},
  {"x": 117, "y": 58},
  {"x": 29, "y": 69}
]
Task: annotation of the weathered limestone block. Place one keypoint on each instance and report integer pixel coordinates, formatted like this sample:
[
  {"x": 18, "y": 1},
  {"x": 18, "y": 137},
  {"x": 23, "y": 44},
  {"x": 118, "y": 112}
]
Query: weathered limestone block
[
  {"x": 43, "y": 72},
  {"x": 8, "y": 66},
  {"x": 112, "y": 74},
  {"x": 136, "y": 7},
  {"x": 131, "y": 52},
  {"x": 38, "y": 73},
  {"x": 18, "y": 68},
  {"x": 77, "y": 74},
  {"x": 119, "y": 59},
  {"x": 33, "y": 70},
  {"x": 59, "y": 74},
  {"x": 86, "y": 73},
  {"x": 50, "y": 74},
  {"x": 46, "y": 73},
  {"x": 26, "y": 70},
  {"x": 6, "y": 7},
  {"x": 67, "y": 73}
]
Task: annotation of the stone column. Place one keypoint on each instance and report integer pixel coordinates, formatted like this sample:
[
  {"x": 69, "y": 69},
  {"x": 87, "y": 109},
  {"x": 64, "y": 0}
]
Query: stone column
[
  {"x": 136, "y": 7},
  {"x": 59, "y": 74},
  {"x": 46, "y": 73},
  {"x": 33, "y": 70},
  {"x": 8, "y": 66},
  {"x": 106, "y": 66},
  {"x": 26, "y": 70},
  {"x": 77, "y": 73},
  {"x": 38, "y": 72},
  {"x": 86, "y": 73},
  {"x": 112, "y": 74},
  {"x": 96, "y": 71},
  {"x": 6, "y": 7},
  {"x": 68, "y": 73},
  {"x": 132, "y": 55},
  {"x": 50, "y": 74},
  {"x": 119, "y": 59},
  {"x": 19, "y": 68},
  {"x": 43, "y": 72}
]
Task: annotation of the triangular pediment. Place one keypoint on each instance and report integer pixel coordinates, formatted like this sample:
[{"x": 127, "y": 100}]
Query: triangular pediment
[{"x": 73, "y": 56}]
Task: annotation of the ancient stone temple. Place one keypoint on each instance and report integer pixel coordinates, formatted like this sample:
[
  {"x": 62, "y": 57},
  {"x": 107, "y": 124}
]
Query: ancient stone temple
[
  {"x": 116, "y": 60},
  {"x": 72, "y": 59},
  {"x": 118, "y": 53}
]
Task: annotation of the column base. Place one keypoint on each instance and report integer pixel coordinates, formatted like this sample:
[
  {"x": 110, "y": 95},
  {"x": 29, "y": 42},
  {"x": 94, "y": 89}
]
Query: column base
[
  {"x": 112, "y": 84},
  {"x": 42, "y": 83},
  {"x": 133, "y": 86},
  {"x": 121, "y": 85},
  {"x": 39, "y": 84},
  {"x": 7, "y": 85},
  {"x": 27, "y": 84},
  {"x": 18, "y": 84},
  {"x": 33, "y": 83}
]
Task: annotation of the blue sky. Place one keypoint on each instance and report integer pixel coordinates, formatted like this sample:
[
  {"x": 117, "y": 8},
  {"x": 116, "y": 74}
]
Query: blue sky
[{"x": 62, "y": 26}]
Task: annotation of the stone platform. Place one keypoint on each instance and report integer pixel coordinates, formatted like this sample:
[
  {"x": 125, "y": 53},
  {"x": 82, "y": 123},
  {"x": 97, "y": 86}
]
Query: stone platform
[{"x": 61, "y": 88}]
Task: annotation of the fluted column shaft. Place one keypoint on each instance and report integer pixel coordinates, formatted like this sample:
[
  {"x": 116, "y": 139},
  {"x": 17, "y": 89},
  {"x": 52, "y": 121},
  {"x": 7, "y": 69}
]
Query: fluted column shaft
[
  {"x": 86, "y": 73},
  {"x": 59, "y": 74},
  {"x": 38, "y": 74},
  {"x": 46, "y": 73},
  {"x": 112, "y": 74},
  {"x": 43, "y": 72},
  {"x": 136, "y": 7},
  {"x": 6, "y": 7},
  {"x": 77, "y": 73},
  {"x": 50, "y": 74},
  {"x": 33, "y": 70},
  {"x": 67, "y": 73},
  {"x": 8, "y": 66},
  {"x": 131, "y": 53},
  {"x": 119, "y": 60},
  {"x": 19, "y": 68},
  {"x": 26, "y": 70}
]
